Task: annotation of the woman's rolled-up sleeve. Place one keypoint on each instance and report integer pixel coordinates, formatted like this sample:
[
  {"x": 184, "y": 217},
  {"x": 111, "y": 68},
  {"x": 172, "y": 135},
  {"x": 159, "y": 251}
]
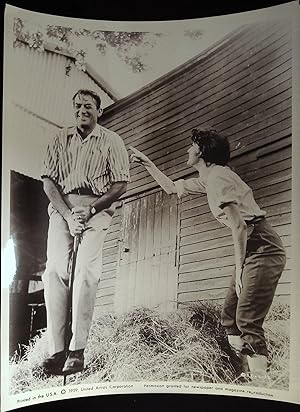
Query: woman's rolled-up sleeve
[{"x": 189, "y": 187}]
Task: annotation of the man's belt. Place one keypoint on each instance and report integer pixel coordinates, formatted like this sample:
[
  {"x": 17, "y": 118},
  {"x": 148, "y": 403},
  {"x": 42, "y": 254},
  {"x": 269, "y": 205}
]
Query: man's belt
[{"x": 82, "y": 191}]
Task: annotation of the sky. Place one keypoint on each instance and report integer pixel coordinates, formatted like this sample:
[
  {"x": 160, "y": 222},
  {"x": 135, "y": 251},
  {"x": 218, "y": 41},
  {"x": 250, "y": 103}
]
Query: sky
[{"x": 170, "y": 50}]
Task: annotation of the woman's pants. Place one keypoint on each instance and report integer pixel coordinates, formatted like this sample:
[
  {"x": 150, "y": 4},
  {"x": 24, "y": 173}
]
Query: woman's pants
[{"x": 263, "y": 266}]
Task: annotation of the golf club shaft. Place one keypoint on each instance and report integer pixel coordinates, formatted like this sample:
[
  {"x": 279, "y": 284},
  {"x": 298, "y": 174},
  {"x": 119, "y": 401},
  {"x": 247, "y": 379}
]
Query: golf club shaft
[{"x": 76, "y": 242}]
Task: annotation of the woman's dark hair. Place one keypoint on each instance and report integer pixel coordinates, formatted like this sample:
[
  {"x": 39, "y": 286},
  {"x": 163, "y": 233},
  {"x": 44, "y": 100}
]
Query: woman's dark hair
[
  {"x": 214, "y": 147},
  {"x": 87, "y": 92}
]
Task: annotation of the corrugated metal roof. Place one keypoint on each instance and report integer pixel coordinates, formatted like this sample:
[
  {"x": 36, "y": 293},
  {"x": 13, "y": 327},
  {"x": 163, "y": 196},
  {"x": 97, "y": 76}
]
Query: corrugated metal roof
[{"x": 39, "y": 83}]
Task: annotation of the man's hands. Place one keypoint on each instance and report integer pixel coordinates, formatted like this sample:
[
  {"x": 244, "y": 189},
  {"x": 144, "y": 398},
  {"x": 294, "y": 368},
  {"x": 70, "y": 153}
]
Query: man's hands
[
  {"x": 81, "y": 213},
  {"x": 77, "y": 218}
]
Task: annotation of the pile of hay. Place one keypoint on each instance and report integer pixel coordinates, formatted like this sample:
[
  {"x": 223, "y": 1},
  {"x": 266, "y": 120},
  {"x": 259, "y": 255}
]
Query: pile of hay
[{"x": 144, "y": 345}]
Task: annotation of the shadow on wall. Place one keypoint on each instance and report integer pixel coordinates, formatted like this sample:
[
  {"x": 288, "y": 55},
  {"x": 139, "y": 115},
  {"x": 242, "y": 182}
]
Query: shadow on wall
[{"x": 28, "y": 229}]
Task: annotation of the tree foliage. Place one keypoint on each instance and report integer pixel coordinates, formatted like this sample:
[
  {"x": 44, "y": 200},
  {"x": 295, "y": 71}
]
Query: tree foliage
[
  {"x": 130, "y": 47},
  {"x": 125, "y": 44}
]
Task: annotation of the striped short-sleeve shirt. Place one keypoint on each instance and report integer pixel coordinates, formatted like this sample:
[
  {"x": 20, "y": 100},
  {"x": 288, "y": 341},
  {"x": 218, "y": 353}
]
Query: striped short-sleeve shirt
[{"x": 94, "y": 162}]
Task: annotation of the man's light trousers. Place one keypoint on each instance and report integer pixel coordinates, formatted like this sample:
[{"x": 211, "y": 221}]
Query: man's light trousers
[{"x": 87, "y": 275}]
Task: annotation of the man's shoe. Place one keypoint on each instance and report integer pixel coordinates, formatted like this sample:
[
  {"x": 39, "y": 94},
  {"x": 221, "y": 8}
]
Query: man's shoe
[
  {"x": 53, "y": 365},
  {"x": 74, "y": 362}
]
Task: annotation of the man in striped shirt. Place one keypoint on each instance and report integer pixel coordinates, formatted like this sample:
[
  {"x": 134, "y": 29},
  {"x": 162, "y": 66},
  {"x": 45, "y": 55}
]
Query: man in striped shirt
[{"x": 85, "y": 170}]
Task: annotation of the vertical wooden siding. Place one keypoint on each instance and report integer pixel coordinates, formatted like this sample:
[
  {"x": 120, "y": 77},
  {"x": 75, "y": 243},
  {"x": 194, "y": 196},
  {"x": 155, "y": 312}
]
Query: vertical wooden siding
[
  {"x": 106, "y": 288},
  {"x": 147, "y": 272},
  {"x": 243, "y": 88}
]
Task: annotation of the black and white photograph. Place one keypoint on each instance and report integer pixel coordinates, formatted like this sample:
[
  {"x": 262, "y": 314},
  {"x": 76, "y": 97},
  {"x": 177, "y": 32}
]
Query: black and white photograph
[{"x": 148, "y": 216}]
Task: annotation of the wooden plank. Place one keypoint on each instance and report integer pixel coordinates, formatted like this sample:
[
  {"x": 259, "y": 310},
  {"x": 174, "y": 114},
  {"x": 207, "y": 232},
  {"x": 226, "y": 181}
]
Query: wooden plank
[
  {"x": 231, "y": 66},
  {"x": 202, "y": 295},
  {"x": 283, "y": 185},
  {"x": 217, "y": 273},
  {"x": 172, "y": 166},
  {"x": 212, "y": 294},
  {"x": 157, "y": 246},
  {"x": 114, "y": 243},
  {"x": 253, "y": 121},
  {"x": 212, "y": 115},
  {"x": 111, "y": 251},
  {"x": 181, "y": 155},
  {"x": 139, "y": 294},
  {"x": 208, "y": 257},
  {"x": 284, "y": 299},
  {"x": 239, "y": 127},
  {"x": 266, "y": 171},
  {"x": 191, "y": 235},
  {"x": 155, "y": 146},
  {"x": 106, "y": 283},
  {"x": 209, "y": 264},
  {"x": 110, "y": 274},
  {"x": 210, "y": 224},
  {"x": 276, "y": 131},
  {"x": 120, "y": 301},
  {"x": 108, "y": 267},
  {"x": 206, "y": 245},
  {"x": 165, "y": 249},
  {"x": 104, "y": 300},
  {"x": 231, "y": 103},
  {"x": 218, "y": 262},
  {"x": 216, "y": 248},
  {"x": 239, "y": 162},
  {"x": 105, "y": 292},
  {"x": 279, "y": 96},
  {"x": 133, "y": 275},
  {"x": 236, "y": 85},
  {"x": 246, "y": 43},
  {"x": 279, "y": 201},
  {"x": 217, "y": 282},
  {"x": 259, "y": 180},
  {"x": 180, "y": 171},
  {"x": 149, "y": 287},
  {"x": 195, "y": 211},
  {"x": 280, "y": 219},
  {"x": 113, "y": 231},
  {"x": 274, "y": 146},
  {"x": 206, "y": 284},
  {"x": 206, "y": 274},
  {"x": 172, "y": 281},
  {"x": 110, "y": 259},
  {"x": 276, "y": 209}
]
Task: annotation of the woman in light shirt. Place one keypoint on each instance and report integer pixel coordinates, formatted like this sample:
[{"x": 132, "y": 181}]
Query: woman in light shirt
[{"x": 259, "y": 254}]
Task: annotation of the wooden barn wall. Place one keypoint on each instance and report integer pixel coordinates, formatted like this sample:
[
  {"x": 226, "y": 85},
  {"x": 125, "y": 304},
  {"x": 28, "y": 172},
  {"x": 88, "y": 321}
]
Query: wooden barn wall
[
  {"x": 243, "y": 88},
  {"x": 106, "y": 288}
]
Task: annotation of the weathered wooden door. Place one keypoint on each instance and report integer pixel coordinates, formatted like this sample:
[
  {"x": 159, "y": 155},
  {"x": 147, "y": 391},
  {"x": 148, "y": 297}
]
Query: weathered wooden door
[{"x": 147, "y": 271}]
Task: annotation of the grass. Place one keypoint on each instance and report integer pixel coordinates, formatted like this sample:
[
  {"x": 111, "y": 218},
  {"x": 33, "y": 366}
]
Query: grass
[{"x": 144, "y": 345}]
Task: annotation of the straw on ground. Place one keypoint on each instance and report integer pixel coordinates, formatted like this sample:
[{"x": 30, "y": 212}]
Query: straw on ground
[{"x": 145, "y": 345}]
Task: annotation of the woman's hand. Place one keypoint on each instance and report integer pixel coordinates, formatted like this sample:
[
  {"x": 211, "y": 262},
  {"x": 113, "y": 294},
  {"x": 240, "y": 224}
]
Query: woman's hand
[{"x": 139, "y": 157}]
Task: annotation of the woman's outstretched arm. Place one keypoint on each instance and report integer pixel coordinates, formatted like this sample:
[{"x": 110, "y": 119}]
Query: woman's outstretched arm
[{"x": 167, "y": 184}]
